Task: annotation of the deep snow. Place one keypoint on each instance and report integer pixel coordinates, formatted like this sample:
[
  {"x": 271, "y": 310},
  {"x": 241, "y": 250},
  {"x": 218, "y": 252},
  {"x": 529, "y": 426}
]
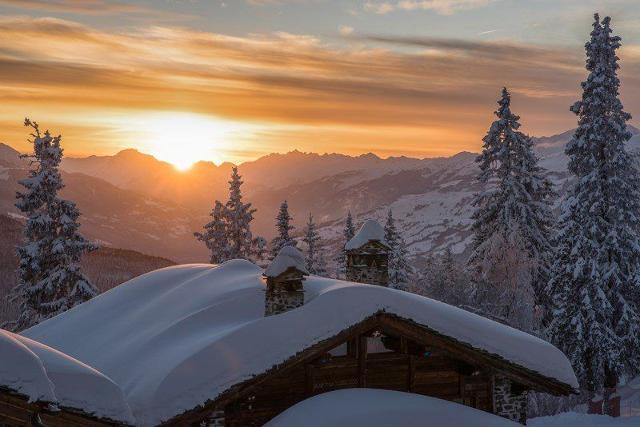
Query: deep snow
[
  {"x": 383, "y": 408},
  {"x": 177, "y": 337},
  {"x": 44, "y": 374}
]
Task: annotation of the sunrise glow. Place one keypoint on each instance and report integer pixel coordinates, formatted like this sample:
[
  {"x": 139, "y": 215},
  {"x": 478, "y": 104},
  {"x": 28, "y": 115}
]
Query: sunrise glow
[{"x": 182, "y": 139}]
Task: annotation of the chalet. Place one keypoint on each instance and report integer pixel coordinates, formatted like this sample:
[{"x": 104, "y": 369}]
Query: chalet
[
  {"x": 200, "y": 345},
  {"x": 40, "y": 386},
  {"x": 368, "y": 255}
]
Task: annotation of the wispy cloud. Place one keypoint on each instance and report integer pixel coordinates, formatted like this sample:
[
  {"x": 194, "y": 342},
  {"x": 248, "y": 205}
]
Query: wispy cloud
[
  {"x": 443, "y": 7},
  {"x": 84, "y": 7},
  {"x": 436, "y": 93}
]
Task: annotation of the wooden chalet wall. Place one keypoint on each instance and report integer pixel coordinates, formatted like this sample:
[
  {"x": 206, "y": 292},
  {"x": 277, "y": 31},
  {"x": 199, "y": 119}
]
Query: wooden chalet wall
[
  {"x": 374, "y": 360},
  {"x": 17, "y": 411}
]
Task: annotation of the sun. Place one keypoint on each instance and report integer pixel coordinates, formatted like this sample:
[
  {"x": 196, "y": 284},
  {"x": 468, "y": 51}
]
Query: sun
[{"x": 183, "y": 139}]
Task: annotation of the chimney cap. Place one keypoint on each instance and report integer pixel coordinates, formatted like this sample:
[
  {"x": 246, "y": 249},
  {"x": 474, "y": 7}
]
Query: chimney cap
[{"x": 288, "y": 257}]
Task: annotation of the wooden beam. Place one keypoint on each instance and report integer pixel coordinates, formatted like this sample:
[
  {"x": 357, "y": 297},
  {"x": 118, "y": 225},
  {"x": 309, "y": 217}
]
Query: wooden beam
[
  {"x": 411, "y": 373},
  {"x": 362, "y": 361},
  {"x": 404, "y": 347},
  {"x": 474, "y": 356}
]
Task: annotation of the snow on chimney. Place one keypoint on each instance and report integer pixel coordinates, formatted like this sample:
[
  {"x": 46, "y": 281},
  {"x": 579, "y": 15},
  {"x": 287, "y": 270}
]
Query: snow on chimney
[
  {"x": 368, "y": 255},
  {"x": 284, "y": 277}
]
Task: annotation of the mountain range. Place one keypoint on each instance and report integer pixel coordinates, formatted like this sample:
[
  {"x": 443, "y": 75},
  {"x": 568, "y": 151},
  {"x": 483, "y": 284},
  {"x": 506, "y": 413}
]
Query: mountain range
[{"x": 132, "y": 200}]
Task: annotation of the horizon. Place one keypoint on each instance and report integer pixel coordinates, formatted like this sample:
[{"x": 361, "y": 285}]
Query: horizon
[{"x": 232, "y": 82}]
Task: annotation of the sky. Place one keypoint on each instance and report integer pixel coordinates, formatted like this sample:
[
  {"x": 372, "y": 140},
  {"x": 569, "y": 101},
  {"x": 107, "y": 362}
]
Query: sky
[{"x": 233, "y": 80}]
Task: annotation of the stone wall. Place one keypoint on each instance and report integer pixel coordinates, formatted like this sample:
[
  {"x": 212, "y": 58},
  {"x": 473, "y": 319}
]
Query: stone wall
[
  {"x": 508, "y": 401},
  {"x": 368, "y": 265},
  {"x": 279, "y": 299}
]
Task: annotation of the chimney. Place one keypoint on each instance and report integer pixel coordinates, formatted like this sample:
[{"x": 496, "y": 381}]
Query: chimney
[
  {"x": 368, "y": 255},
  {"x": 284, "y": 277}
]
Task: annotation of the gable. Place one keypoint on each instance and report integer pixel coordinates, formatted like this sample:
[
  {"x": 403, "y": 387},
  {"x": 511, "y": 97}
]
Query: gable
[{"x": 396, "y": 346}]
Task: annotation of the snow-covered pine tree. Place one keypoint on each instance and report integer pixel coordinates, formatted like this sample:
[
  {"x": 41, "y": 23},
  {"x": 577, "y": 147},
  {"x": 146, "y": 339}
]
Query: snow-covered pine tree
[
  {"x": 284, "y": 227},
  {"x": 49, "y": 277},
  {"x": 512, "y": 220},
  {"x": 400, "y": 269},
  {"x": 594, "y": 280},
  {"x": 444, "y": 279},
  {"x": 313, "y": 258},
  {"x": 341, "y": 258},
  {"x": 238, "y": 218},
  {"x": 215, "y": 235}
]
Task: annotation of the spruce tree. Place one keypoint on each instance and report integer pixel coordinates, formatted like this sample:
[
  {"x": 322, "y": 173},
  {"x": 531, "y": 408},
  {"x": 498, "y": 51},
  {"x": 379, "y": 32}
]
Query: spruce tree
[
  {"x": 238, "y": 218},
  {"x": 348, "y": 232},
  {"x": 512, "y": 221},
  {"x": 314, "y": 261},
  {"x": 400, "y": 270},
  {"x": 49, "y": 277},
  {"x": 215, "y": 235},
  {"x": 594, "y": 279},
  {"x": 284, "y": 227}
]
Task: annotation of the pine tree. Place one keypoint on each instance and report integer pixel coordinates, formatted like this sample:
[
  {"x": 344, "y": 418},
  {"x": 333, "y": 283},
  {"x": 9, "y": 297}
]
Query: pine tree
[
  {"x": 49, "y": 277},
  {"x": 512, "y": 220},
  {"x": 594, "y": 280},
  {"x": 215, "y": 235},
  {"x": 284, "y": 227},
  {"x": 238, "y": 217},
  {"x": 400, "y": 270},
  {"x": 341, "y": 258},
  {"x": 314, "y": 261},
  {"x": 445, "y": 280}
]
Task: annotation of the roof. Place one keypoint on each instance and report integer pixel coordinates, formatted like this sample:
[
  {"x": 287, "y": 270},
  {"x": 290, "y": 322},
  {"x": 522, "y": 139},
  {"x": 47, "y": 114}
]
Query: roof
[
  {"x": 383, "y": 408},
  {"x": 43, "y": 374},
  {"x": 288, "y": 257},
  {"x": 181, "y": 336},
  {"x": 370, "y": 231}
]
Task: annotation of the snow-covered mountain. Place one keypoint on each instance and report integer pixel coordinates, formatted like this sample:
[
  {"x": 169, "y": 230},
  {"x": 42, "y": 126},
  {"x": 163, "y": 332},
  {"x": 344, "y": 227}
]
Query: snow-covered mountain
[{"x": 133, "y": 200}]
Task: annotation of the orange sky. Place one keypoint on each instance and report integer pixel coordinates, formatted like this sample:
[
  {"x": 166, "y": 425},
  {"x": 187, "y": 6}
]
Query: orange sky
[{"x": 182, "y": 93}]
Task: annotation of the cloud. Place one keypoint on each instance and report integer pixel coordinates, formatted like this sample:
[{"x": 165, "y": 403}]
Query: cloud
[
  {"x": 430, "y": 95},
  {"x": 346, "y": 30},
  {"x": 443, "y": 7},
  {"x": 83, "y": 7}
]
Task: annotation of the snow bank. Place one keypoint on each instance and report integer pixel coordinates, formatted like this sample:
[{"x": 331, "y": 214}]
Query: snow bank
[
  {"x": 177, "y": 337},
  {"x": 371, "y": 230},
  {"x": 382, "y": 408},
  {"x": 573, "y": 419},
  {"x": 287, "y": 257},
  {"x": 44, "y": 374}
]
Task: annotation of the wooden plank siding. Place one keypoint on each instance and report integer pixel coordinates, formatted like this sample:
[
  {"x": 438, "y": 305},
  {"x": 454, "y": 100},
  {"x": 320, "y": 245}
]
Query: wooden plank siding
[
  {"x": 17, "y": 411},
  {"x": 415, "y": 359}
]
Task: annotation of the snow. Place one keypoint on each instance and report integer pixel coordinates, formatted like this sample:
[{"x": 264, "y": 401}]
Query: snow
[
  {"x": 573, "y": 419},
  {"x": 382, "y": 408},
  {"x": 180, "y": 336},
  {"x": 44, "y": 374},
  {"x": 371, "y": 230},
  {"x": 288, "y": 257}
]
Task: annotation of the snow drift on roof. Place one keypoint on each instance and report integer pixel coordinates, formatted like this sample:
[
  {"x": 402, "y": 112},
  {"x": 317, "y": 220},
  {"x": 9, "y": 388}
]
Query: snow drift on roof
[
  {"x": 371, "y": 230},
  {"x": 382, "y": 408},
  {"x": 181, "y": 336},
  {"x": 44, "y": 374},
  {"x": 287, "y": 257}
]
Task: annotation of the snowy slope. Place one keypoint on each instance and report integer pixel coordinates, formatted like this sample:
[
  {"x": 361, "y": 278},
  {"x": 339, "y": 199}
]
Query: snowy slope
[
  {"x": 382, "y": 408},
  {"x": 45, "y": 374},
  {"x": 180, "y": 336}
]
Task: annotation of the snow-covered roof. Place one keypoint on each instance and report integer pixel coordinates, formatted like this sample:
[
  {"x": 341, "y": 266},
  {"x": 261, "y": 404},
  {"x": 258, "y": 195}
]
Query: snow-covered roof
[
  {"x": 371, "y": 230},
  {"x": 180, "y": 336},
  {"x": 47, "y": 375},
  {"x": 383, "y": 408},
  {"x": 288, "y": 257}
]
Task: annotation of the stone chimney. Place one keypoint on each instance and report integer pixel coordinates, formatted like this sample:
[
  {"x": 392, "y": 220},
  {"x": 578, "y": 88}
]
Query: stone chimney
[
  {"x": 368, "y": 255},
  {"x": 284, "y": 278}
]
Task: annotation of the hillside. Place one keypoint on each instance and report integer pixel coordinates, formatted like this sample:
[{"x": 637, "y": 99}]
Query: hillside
[{"x": 105, "y": 267}]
